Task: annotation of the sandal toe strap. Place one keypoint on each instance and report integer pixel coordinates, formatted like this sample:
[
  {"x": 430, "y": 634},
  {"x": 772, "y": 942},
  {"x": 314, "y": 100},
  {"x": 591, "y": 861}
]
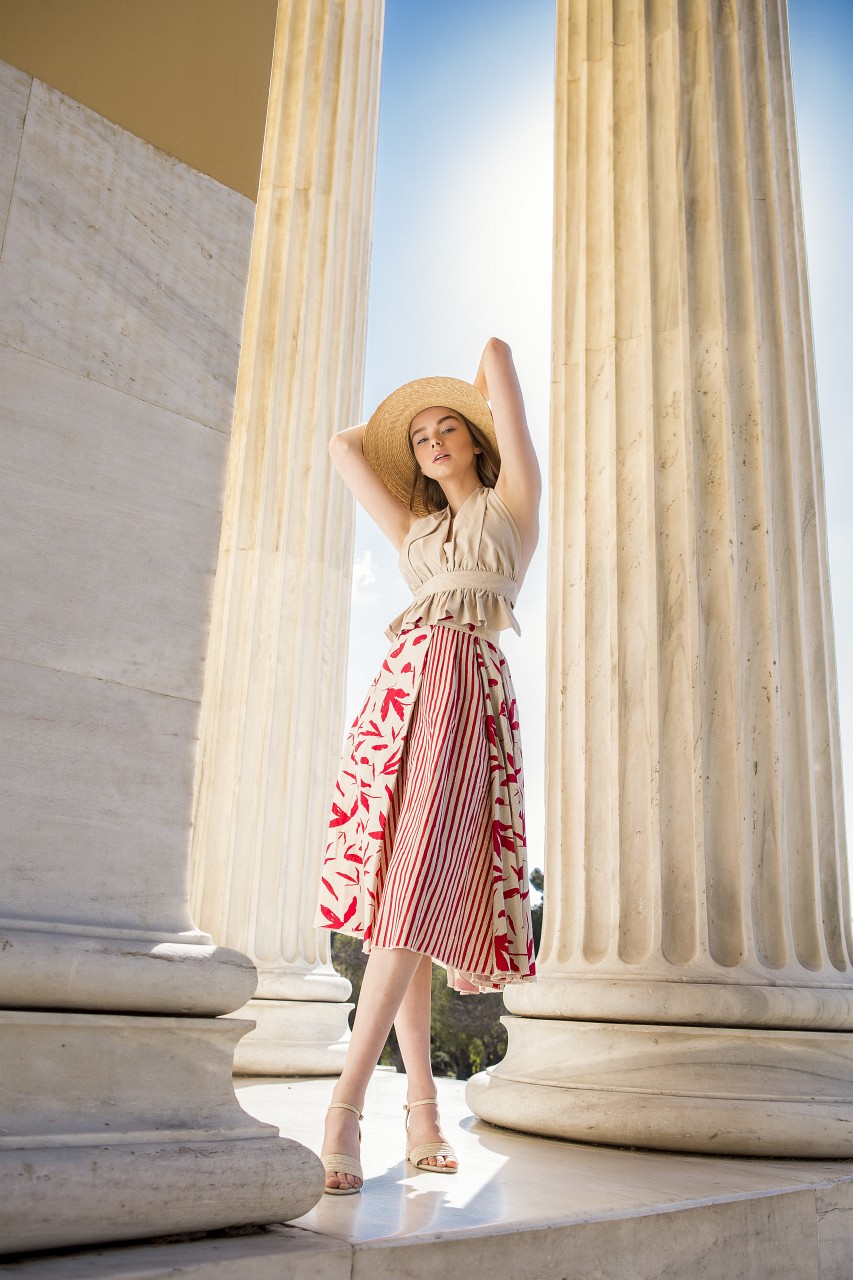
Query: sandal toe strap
[{"x": 342, "y": 1164}]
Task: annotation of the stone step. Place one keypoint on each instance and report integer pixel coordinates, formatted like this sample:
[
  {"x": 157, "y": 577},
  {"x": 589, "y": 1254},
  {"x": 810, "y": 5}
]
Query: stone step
[{"x": 519, "y": 1206}]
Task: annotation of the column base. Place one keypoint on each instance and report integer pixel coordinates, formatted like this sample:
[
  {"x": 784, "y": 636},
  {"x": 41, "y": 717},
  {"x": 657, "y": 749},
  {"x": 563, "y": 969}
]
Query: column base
[
  {"x": 44, "y": 969},
  {"x": 293, "y": 1038},
  {"x": 58, "y": 1197},
  {"x": 703, "y": 1003},
  {"x": 713, "y": 1090},
  {"x": 117, "y": 1127}
]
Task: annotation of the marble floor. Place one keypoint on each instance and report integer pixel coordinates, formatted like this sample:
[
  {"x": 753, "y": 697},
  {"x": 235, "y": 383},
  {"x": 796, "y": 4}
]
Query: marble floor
[{"x": 518, "y": 1206}]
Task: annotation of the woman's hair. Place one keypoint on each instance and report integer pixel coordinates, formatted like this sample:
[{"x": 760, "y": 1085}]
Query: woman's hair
[{"x": 430, "y": 491}]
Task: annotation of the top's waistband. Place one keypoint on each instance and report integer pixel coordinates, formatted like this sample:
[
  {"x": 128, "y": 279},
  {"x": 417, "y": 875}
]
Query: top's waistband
[{"x": 469, "y": 580}]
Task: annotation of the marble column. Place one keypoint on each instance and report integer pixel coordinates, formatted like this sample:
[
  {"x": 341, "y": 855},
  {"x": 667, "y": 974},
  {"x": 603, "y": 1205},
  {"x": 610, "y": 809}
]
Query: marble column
[
  {"x": 272, "y": 711},
  {"x": 696, "y": 988},
  {"x": 122, "y": 285}
]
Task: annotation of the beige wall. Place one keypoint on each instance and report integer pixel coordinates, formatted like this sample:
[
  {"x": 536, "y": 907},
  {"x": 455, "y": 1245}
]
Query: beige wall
[{"x": 191, "y": 78}]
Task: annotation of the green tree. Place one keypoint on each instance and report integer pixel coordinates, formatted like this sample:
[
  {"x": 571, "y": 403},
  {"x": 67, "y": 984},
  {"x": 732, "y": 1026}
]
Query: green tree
[{"x": 537, "y": 881}]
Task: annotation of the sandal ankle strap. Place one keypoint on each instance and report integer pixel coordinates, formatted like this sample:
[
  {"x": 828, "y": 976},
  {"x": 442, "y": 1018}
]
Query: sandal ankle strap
[
  {"x": 407, "y": 1106},
  {"x": 347, "y": 1106}
]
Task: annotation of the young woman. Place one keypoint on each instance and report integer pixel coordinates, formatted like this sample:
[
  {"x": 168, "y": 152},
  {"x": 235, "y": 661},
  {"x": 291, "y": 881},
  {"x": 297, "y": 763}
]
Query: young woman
[{"x": 426, "y": 858}]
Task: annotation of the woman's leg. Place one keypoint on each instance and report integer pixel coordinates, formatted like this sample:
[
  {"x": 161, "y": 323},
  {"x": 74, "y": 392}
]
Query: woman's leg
[
  {"x": 412, "y": 1025},
  {"x": 387, "y": 975}
]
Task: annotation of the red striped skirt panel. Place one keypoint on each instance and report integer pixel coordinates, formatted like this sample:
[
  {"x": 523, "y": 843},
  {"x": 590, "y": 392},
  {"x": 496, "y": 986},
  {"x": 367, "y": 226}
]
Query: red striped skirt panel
[{"x": 436, "y": 895}]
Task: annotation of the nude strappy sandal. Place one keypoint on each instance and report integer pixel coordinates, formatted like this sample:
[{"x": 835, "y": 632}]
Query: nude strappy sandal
[
  {"x": 341, "y": 1163},
  {"x": 426, "y": 1149}
]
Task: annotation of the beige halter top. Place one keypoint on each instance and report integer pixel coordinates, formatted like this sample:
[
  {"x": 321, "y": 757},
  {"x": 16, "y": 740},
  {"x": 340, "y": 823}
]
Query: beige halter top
[{"x": 470, "y": 570}]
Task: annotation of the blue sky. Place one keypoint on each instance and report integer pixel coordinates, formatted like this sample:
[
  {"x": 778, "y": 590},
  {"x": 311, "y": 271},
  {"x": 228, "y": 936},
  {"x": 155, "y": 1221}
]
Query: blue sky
[
  {"x": 462, "y": 251},
  {"x": 821, "y": 57}
]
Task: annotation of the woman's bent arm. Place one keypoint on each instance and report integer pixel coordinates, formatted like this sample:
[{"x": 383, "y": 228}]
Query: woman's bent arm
[
  {"x": 393, "y": 518},
  {"x": 520, "y": 480}
]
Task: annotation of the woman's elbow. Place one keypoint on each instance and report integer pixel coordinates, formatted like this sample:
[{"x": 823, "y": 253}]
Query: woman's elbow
[{"x": 498, "y": 346}]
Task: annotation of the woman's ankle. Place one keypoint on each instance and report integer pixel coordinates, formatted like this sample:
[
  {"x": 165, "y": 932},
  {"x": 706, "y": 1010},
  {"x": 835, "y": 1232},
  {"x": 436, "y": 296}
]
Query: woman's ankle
[
  {"x": 420, "y": 1089},
  {"x": 344, "y": 1093}
]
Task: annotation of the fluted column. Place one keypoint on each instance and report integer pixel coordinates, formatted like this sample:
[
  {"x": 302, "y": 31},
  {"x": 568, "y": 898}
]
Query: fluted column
[
  {"x": 272, "y": 713},
  {"x": 696, "y": 987}
]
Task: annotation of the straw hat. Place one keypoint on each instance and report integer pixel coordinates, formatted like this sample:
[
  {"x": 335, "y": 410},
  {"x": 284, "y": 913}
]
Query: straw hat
[{"x": 385, "y": 441}]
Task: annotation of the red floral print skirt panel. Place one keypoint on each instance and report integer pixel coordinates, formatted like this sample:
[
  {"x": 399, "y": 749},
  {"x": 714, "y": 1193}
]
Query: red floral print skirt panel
[{"x": 426, "y": 837}]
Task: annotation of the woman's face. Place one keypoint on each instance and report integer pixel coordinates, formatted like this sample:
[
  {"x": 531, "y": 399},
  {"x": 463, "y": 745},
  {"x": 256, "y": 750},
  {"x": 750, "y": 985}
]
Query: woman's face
[{"x": 442, "y": 444}]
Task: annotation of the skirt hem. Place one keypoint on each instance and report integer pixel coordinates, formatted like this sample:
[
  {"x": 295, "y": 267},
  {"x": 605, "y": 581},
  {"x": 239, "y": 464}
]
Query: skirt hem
[{"x": 476, "y": 983}]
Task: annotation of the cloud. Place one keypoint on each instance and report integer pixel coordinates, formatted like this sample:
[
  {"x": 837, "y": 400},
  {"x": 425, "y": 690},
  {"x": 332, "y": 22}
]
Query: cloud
[{"x": 363, "y": 578}]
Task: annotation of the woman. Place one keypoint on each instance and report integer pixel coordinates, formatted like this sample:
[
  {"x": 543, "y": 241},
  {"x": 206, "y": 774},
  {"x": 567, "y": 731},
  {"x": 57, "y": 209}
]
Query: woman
[{"x": 426, "y": 858}]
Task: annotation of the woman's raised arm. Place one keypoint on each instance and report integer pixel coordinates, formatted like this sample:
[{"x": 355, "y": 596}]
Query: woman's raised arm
[
  {"x": 393, "y": 518},
  {"x": 520, "y": 480}
]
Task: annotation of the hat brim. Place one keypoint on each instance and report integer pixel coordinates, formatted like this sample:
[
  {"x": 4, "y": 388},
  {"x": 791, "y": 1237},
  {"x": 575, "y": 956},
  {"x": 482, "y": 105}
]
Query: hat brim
[{"x": 386, "y": 437}]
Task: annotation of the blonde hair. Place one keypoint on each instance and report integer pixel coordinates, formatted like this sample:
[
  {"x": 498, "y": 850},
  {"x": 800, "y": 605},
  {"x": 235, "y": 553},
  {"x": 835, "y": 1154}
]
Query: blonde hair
[{"x": 430, "y": 491}]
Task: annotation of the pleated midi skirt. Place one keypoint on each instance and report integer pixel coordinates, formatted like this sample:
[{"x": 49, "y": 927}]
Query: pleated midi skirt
[{"x": 426, "y": 839}]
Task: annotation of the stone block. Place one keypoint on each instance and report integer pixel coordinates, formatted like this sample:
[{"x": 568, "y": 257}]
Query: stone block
[
  {"x": 110, "y": 510},
  {"x": 14, "y": 95},
  {"x": 123, "y": 264},
  {"x": 761, "y": 1238},
  {"x": 834, "y": 1205}
]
